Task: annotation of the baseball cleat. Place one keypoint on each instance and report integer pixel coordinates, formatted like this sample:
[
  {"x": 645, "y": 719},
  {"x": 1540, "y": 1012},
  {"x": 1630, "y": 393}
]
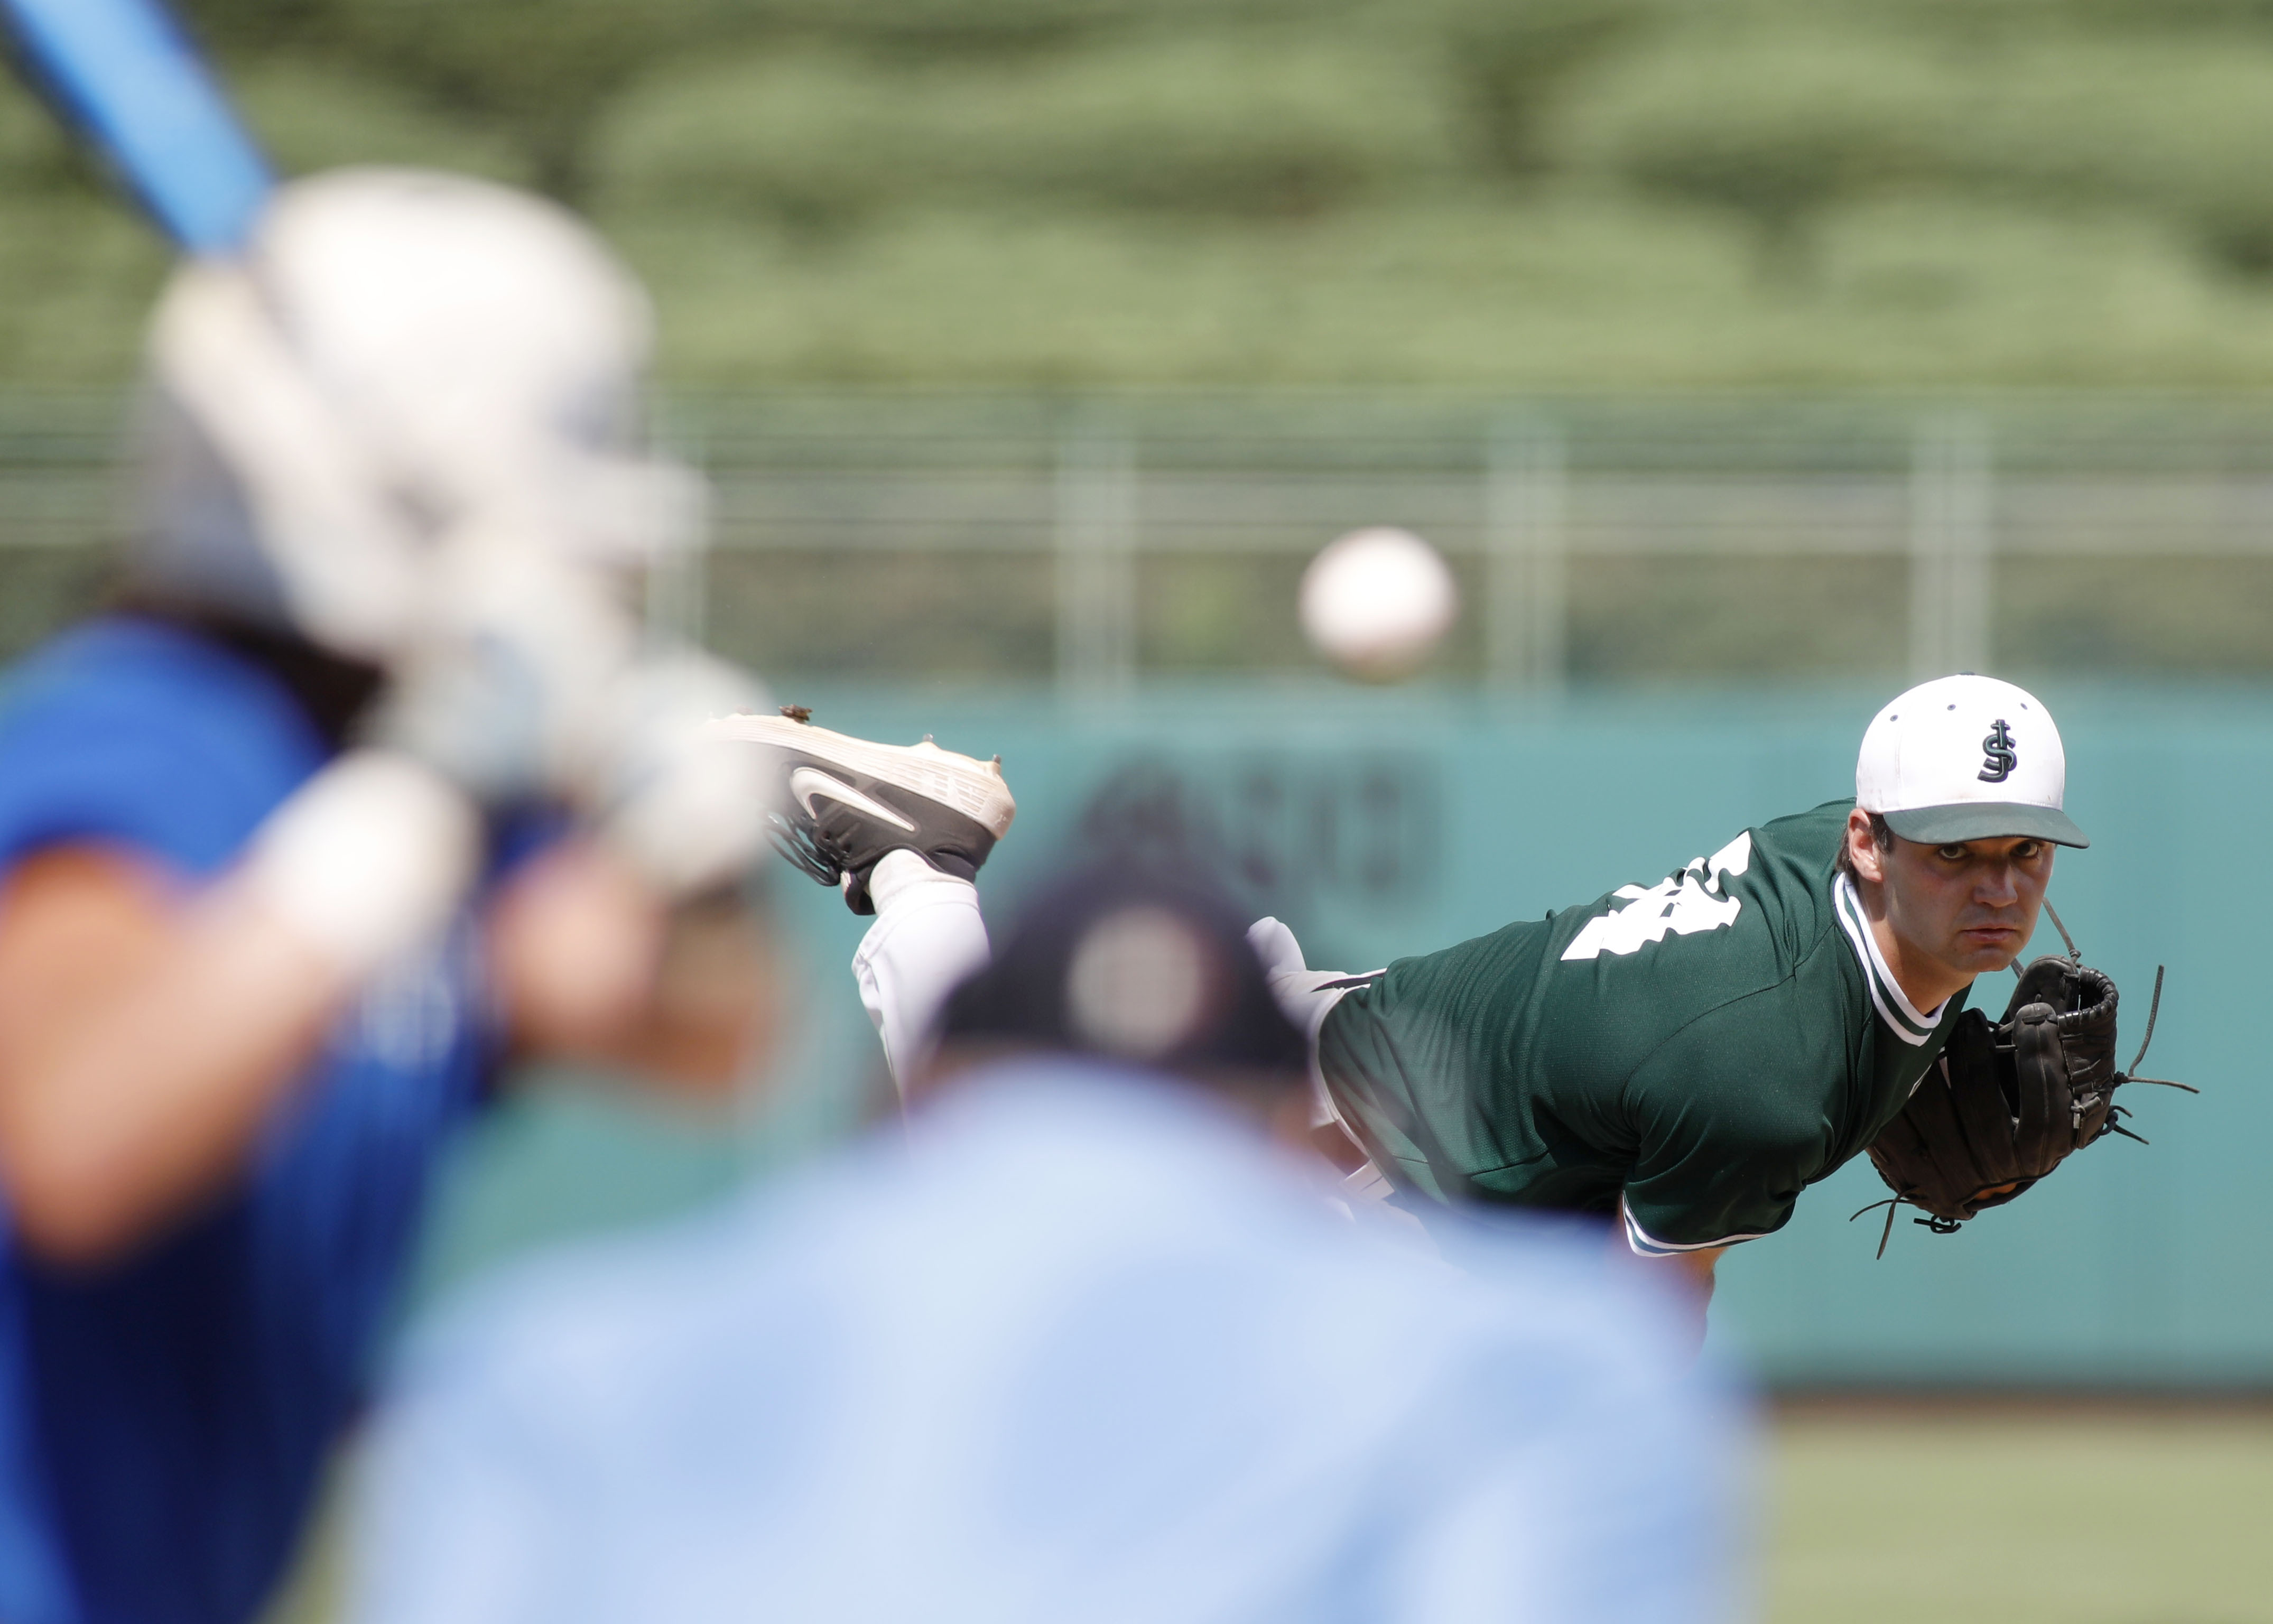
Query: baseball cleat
[{"x": 842, "y": 803}]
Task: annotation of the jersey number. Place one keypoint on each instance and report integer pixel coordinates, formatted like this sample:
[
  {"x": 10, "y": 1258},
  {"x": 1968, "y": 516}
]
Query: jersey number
[{"x": 1689, "y": 901}]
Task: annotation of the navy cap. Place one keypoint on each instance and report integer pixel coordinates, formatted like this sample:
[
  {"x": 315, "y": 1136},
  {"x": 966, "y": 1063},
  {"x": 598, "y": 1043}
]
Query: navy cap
[{"x": 1135, "y": 966}]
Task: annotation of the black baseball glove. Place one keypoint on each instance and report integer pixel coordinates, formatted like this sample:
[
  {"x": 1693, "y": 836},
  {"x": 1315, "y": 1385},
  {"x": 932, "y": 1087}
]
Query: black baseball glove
[{"x": 2004, "y": 1104}]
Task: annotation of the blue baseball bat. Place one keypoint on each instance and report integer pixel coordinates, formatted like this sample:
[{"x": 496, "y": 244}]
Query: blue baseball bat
[{"x": 127, "y": 77}]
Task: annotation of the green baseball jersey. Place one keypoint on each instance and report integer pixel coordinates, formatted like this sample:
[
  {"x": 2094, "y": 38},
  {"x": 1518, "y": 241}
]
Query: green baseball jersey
[{"x": 1706, "y": 1047}]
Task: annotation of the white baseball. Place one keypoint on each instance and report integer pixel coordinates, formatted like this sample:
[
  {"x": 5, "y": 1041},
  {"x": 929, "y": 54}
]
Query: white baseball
[{"x": 1376, "y": 602}]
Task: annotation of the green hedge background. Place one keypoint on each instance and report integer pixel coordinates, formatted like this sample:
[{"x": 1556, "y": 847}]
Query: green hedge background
[{"x": 1518, "y": 193}]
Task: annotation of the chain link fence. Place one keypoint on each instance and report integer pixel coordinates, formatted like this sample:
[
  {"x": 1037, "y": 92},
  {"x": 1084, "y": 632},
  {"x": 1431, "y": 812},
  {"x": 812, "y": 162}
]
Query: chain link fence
[{"x": 1100, "y": 541}]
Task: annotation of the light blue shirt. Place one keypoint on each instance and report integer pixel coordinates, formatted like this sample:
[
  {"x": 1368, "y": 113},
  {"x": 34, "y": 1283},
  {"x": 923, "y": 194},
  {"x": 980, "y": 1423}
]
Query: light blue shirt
[{"x": 1078, "y": 1346}]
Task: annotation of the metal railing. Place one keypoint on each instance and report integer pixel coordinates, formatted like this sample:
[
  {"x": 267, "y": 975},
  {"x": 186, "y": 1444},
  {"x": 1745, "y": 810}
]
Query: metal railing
[{"x": 1527, "y": 497}]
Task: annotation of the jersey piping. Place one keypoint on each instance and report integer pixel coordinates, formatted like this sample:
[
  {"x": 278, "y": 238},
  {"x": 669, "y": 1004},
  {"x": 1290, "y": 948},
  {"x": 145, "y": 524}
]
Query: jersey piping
[
  {"x": 1886, "y": 995},
  {"x": 1646, "y": 1244},
  {"x": 1902, "y": 1018}
]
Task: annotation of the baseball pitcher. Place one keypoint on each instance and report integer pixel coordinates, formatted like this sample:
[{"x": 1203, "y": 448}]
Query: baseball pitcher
[{"x": 1683, "y": 1058}]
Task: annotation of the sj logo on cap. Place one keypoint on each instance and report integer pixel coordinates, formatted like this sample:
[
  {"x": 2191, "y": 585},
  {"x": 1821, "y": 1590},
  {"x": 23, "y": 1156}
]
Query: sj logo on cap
[
  {"x": 1999, "y": 756},
  {"x": 1943, "y": 765}
]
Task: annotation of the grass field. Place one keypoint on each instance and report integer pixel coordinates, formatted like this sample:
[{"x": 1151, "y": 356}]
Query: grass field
[
  {"x": 2024, "y": 1517},
  {"x": 1915, "y": 1514}
]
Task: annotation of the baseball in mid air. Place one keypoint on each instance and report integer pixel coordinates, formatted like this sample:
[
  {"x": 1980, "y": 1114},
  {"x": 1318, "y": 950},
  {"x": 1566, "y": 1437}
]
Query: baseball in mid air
[{"x": 1376, "y": 603}]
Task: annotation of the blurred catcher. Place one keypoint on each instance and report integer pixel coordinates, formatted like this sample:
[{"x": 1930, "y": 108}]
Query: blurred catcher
[
  {"x": 1684, "y": 1057},
  {"x": 363, "y": 786}
]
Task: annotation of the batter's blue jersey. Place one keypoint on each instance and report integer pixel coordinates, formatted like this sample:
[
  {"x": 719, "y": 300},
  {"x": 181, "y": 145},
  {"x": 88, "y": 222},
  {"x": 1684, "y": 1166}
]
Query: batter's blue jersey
[{"x": 164, "y": 1422}]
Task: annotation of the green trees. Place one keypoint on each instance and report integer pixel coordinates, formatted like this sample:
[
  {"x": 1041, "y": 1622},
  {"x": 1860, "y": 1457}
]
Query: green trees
[
  {"x": 538, "y": 74},
  {"x": 1255, "y": 123},
  {"x": 1597, "y": 190},
  {"x": 1777, "y": 125},
  {"x": 1783, "y": 123}
]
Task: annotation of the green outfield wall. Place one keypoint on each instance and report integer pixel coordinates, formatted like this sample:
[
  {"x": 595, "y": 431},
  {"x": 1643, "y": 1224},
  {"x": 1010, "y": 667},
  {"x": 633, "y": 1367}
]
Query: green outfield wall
[{"x": 1385, "y": 823}]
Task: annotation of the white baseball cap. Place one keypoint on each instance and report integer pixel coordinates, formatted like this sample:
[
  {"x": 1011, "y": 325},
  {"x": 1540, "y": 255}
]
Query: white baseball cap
[{"x": 1966, "y": 757}]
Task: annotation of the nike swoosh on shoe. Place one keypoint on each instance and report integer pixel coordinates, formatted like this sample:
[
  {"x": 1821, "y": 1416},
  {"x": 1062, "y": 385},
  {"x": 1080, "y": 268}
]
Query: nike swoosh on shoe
[{"x": 806, "y": 782}]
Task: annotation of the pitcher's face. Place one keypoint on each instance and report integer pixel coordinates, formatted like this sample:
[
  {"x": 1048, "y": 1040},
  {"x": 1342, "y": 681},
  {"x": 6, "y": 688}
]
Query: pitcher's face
[{"x": 1970, "y": 906}]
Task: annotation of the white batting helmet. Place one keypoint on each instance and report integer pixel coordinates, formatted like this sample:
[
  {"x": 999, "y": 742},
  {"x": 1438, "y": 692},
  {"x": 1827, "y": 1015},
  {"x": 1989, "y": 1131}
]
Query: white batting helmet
[{"x": 398, "y": 354}]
